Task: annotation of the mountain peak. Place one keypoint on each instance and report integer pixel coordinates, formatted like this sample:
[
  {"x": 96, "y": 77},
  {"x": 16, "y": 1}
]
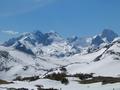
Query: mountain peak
[
  {"x": 37, "y": 32},
  {"x": 72, "y": 39},
  {"x": 36, "y": 37},
  {"x": 52, "y": 33},
  {"x": 109, "y": 34},
  {"x": 97, "y": 40}
]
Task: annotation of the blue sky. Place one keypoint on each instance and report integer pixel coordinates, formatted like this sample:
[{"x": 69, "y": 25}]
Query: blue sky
[{"x": 67, "y": 17}]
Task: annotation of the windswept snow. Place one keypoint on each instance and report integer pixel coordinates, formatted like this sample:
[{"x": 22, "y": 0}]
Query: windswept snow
[
  {"x": 73, "y": 85},
  {"x": 50, "y": 52}
]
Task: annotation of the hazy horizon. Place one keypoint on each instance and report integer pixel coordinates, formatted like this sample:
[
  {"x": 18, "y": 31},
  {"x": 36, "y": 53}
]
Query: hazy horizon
[{"x": 67, "y": 17}]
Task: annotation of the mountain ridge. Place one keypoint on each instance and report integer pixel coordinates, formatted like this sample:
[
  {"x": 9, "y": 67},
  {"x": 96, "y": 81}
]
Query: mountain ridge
[
  {"x": 29, "y": 58},
  {"x": 30, "y": 42}
]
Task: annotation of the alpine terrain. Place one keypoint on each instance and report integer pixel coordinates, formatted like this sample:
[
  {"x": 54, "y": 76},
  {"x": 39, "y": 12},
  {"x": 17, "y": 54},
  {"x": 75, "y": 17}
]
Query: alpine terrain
[{"x": 47, "y": 61}]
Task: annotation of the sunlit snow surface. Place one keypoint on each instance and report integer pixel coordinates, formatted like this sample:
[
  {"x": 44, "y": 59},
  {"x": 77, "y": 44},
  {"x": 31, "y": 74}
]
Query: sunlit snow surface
[
  {"x": 73, "y": 85},
  {"x": 107, "y": 65}
]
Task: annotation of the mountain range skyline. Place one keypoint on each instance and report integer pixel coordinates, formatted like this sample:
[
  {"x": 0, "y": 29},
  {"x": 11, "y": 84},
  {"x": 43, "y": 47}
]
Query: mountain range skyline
[
  {"x": 53, "y": 44},
  {"x": 59, "y": 44},
  {"x": 67, "y": 17},
  {"x": 14, "y": 34},
  {"x": 35, "y": 55}
]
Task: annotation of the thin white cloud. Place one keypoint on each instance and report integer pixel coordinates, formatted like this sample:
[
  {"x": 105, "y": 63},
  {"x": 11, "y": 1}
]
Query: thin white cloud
[
  {"x": 10, "y": 32},
  {"x": 16, "y": 7}
]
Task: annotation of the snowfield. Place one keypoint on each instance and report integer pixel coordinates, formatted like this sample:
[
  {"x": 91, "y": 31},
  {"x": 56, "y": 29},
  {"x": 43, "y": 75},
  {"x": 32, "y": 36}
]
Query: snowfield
[
  {"x": 37, "y": 54},
  {"x": 106, "y": 66},
  {"x": 73, "y": 85}
]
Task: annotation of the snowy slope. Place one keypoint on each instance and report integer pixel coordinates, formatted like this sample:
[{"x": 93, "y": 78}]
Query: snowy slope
[
  {"x": 73, "y": 85},
  {"x": 48, "y": 52},
  {"x": 107, "y": 36},
  {"x": 53, "y": 44},
  {"x": 105, "y": 62},
  {"x": 38, "y": 54},
  {"x": 23, "y": 64},
  {"x": 44, "y": 44}
]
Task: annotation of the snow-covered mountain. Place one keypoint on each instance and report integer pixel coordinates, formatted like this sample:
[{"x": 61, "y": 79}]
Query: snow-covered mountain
[
  {"x": 40, "y": 54},
  {"x": 52, "y": 44},
  {"x": 107, "y": 36},
  {"x": 90, "y": 44},
  {"x": 37, "y": 43},
  {"x": 104, "y": 62}
]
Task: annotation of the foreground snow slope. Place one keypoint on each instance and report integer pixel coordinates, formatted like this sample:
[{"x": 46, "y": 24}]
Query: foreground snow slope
[
  {"x": 73, "y": 85},
  {"x": 105, "y": 62},
  {"x": 22, "y": 64},
  {"x": 41, "y": 59}
]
